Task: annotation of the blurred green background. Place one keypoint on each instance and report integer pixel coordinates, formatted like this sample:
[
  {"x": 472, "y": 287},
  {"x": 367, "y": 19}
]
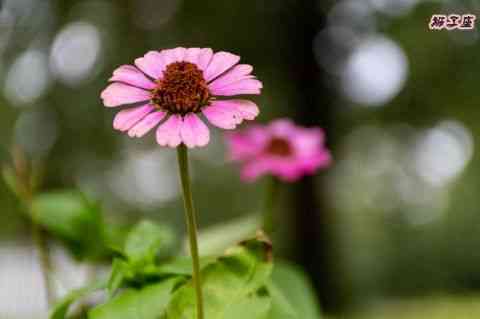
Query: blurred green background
[{"x": 391, "y": 230}]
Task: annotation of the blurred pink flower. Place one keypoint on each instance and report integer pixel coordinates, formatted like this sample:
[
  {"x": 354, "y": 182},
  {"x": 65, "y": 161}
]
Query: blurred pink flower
[
  {"x": 281, "y": 149},
  {"x": 176, "y": 86}
]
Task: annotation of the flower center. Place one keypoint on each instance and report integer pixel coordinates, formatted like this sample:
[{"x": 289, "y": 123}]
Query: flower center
[
  {"x": 182, "y": 89},
  {"x": 279, "y": 146}
]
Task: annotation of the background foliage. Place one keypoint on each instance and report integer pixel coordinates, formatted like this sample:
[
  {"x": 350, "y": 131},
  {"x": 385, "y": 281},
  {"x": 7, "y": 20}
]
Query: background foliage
[{"x": 392, "y": 223}]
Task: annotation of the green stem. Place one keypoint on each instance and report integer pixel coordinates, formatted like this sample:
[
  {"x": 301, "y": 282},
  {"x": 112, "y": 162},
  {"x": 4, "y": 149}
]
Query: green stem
[
  {"x": 271, "y": 193},
  {"x": 41, "y": 244},
  {"x": 190, "y": 215}
]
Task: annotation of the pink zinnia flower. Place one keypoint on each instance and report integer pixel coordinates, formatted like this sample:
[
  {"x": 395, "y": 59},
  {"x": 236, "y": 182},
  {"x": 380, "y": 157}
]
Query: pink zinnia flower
[
  {"x": 281, "y": 149},
  {"x": 174, "y": 87}
]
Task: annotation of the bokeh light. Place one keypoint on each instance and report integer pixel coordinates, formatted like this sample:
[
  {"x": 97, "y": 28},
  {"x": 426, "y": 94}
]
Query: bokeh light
[
  {"x": 75, "y": 52},
  {"x": 394, "y": 7},
  {"x": 22, "y": 294},
  {"x": 36, "y": 131},
  {"x": 28, "y": 78},
  {"x": 395, "y": 216},
  {"x": 375, "y": 72},
  {"x": 145, "y": 179},
  {"x": 443, "y": 152}
]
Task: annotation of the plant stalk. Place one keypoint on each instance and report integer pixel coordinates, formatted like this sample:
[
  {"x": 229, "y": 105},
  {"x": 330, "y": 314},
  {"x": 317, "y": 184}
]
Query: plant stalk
[
  {"x": 270, "y": 200},
  {"x": 41, "y": 245},
  {"x": 40, "y": 242},
  {"x": 190, "y": 215}
]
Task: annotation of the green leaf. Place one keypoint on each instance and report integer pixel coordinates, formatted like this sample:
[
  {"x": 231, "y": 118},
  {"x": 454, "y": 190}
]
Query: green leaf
[
  {"x": 118, "y": 275},
  {"x": 65, "y": 213},
  {"x": 146, "y": 303},
  {"x": 280, "y": 305},
  {"x": 182, "y": 266},
  {"x": 256, "y": 306},
  {"x": 10, "y": 179},
  {"x": 60, "y": 310},
  {"x": 292, "y": 282},
  {"x": 69, "y": 216},
  {"x": 240, "y": 273},
  {"x": 115, "y": 236},
  {"x": 215, "y": 239},
  {"x": 145, "y": 241},
  {"x": 139, "y": 252},
  {"x": 125, "y": 273}
]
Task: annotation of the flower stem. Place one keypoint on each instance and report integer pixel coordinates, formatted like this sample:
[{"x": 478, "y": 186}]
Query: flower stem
[
  {"x": 190, "y": 215},
  {"x": 271, "y": 193}
]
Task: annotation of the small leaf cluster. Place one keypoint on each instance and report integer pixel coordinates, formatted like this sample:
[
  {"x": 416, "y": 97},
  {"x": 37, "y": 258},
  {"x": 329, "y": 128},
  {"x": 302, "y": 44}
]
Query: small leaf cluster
[
  {"x": 236, "y": 284},
  {"x": 147, "y": 281}
]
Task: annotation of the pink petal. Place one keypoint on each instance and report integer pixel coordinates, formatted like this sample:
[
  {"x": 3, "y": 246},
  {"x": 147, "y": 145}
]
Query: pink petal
[
  {"x": 220, "y": 116},
  {"x": 131, "y": 75},
  {"x": 194, "y": 132},
  {"x": 179, "y": 54},
  {"x": 321, "y": 159},
  {"x": 248, "y": 144},
  {"x": 287, "y": 169},
  {"x": 244, "y": 86},
  {"x": 247, "y": 110},
  {"x": 204, "y": 58},
  {"x": 308, "y": 140},
  {"x": 228, "y": 114},
  {"x": 221, "y": 62},
  {"x": 290, "y": 174},
  {"x": 238, "y": 72},
  {"x": 168, "y": 134},
  {"x": 126, "y": 119},
  {"x": 173, "y": 55},
  {"x": 152, "y": 64},
  {"x": 145, "y": 125},
  {"x": 310, "y": 151},
  {"x": 284, "y": 128},
  {"x": 255, "y": 169},
  {"x": 191, "y": 55},
  {"x": 118, "y": 93}
]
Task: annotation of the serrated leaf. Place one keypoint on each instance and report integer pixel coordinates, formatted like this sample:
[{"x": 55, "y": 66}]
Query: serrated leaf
[
  {"x": 292, "y": 282},
  {"x": 145, "y": 241},
  {"x": 145, "y": 303},
  {"x": 60, "y": 309},
  {"x": 240, "y": 273}
]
